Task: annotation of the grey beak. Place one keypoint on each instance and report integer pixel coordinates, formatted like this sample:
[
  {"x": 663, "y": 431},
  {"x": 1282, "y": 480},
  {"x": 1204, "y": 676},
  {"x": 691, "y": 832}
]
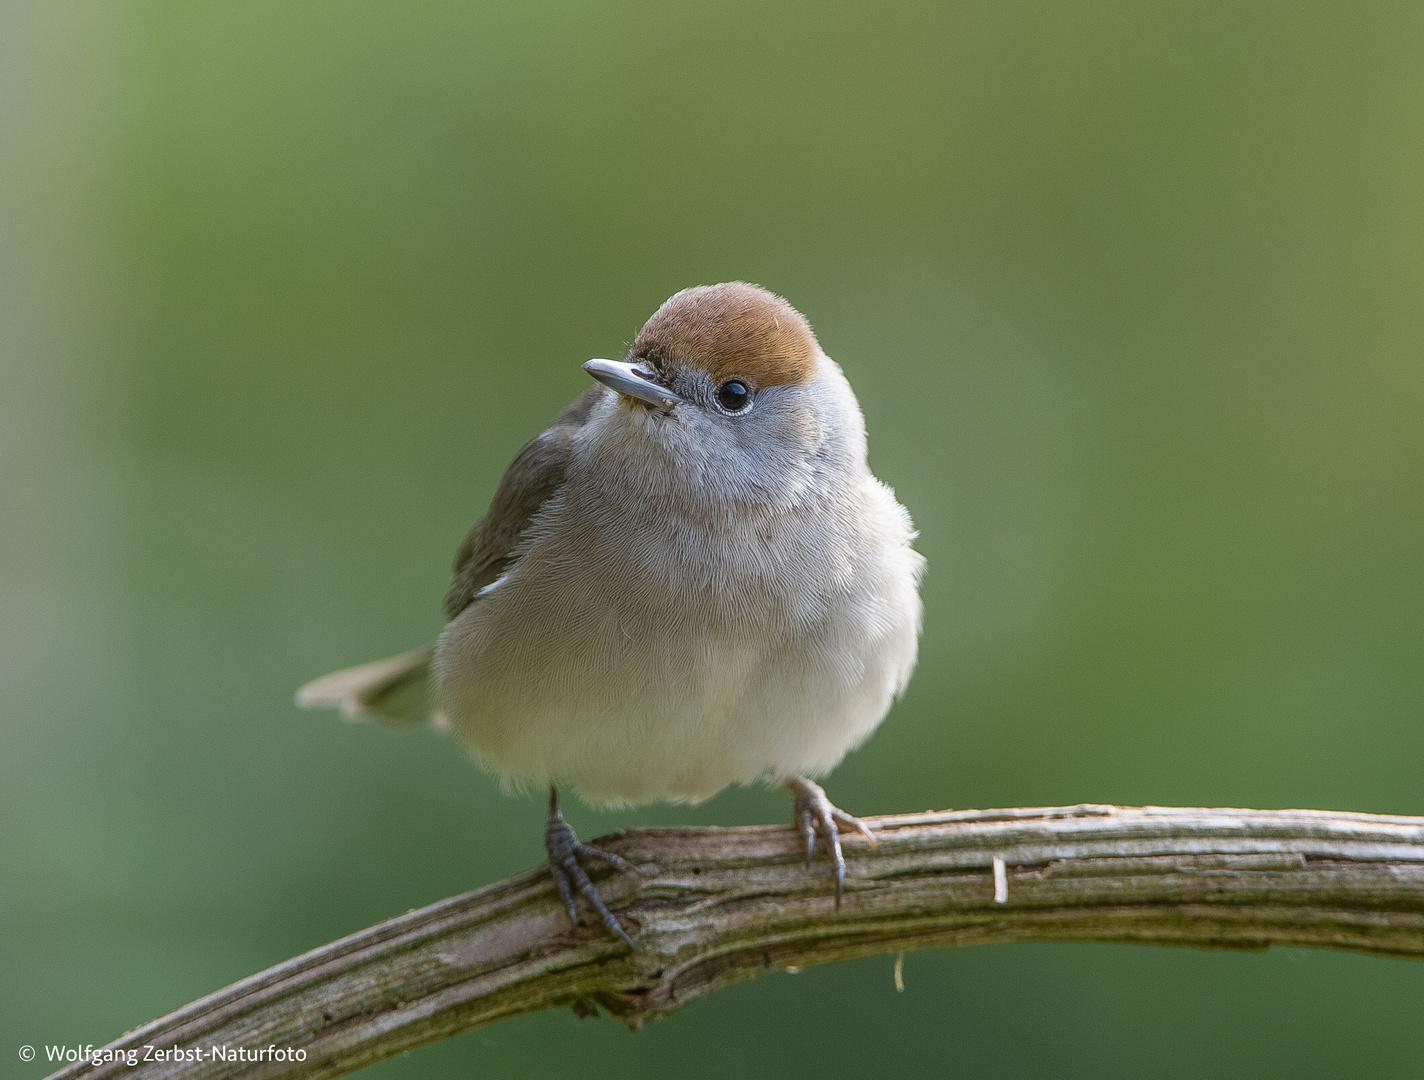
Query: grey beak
[{"x": 631, "y": 380}]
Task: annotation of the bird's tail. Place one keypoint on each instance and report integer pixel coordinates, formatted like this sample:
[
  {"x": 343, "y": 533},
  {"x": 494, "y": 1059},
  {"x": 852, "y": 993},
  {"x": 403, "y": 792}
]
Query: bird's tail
[{"x": 395, "y": 690}]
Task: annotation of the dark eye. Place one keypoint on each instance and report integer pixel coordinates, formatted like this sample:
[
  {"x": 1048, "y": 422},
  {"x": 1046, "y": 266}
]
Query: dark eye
[{"x": 733, "y": 395}]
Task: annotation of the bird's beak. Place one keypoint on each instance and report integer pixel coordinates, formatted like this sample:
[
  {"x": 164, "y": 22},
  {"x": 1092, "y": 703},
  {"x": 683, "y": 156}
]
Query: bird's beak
[{"x": 633, "y": 381}]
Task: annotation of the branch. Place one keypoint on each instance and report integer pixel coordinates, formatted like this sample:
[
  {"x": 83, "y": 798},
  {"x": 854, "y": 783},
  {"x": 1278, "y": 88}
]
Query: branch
[{"x": 711, "y": 907}]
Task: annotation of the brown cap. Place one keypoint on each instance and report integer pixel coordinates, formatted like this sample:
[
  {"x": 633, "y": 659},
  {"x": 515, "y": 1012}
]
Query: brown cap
[{"x": 732, "y": 331}]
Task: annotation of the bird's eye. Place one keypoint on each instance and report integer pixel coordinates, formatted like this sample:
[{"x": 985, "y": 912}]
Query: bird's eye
[{"x": 733, "y": 395}]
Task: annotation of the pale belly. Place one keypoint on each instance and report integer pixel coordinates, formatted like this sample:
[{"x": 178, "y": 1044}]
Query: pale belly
[{"x": 636, "y": 677}]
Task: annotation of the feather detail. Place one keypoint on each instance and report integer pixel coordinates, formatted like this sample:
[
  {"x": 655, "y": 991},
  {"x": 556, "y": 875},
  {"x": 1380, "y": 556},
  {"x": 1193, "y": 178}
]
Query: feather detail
[
  {"x": 535, "y": 474},
  {"x": 732, "y": 330},
  {"x": 395, "y": 690}
]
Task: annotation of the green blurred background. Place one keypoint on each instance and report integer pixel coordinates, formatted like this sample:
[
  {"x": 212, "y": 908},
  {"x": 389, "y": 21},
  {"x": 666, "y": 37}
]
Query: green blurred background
[{"x": 1130, "y": 292}]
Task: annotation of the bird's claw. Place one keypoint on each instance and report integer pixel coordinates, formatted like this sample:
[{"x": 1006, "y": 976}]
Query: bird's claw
[
  {"x": 565, "y": 851},
  {"x": 815, "y": 816}
]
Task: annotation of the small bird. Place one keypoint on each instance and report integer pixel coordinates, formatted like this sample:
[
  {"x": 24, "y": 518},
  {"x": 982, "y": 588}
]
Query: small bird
[{"x": 692, "y": 579}]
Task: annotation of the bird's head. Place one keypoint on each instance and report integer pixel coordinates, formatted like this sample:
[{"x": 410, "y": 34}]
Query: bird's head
[{"x": 726, "y": 392}]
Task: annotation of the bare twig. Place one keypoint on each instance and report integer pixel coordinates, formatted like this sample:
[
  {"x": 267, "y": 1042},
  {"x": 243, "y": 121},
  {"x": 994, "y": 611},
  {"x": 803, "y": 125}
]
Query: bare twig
[{"x": 710, "y": 907}]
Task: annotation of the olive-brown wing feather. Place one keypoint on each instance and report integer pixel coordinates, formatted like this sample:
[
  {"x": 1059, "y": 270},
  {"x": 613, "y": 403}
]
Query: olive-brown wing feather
[{"x": 536, "y": 473}]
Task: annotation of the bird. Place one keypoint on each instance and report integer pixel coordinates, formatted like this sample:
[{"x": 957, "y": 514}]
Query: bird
[{"x": 692, "y": 579}]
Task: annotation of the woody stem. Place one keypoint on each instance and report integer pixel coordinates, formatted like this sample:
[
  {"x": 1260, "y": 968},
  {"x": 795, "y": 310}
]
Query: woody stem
[{"x": 710, "y": 907}]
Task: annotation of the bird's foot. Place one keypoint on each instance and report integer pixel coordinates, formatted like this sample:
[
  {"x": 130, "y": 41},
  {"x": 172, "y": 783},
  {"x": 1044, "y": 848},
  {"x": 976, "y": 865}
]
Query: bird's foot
[
  {"x": 565, "y": 851},
  {"x": 815, "y": 816}
]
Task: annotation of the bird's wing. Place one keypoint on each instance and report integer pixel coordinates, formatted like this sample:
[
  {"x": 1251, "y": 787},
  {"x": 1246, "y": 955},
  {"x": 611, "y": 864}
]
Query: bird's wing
[
  {"x": 397, "y": 690},
  {"x": 535, "y": 474}
]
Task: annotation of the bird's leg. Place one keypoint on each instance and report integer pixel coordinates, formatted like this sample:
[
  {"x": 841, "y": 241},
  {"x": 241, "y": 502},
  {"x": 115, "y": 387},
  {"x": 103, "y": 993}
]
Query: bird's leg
[
  {"x": 565, "y": 851},
  {"x": 816, "y": 816}
]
